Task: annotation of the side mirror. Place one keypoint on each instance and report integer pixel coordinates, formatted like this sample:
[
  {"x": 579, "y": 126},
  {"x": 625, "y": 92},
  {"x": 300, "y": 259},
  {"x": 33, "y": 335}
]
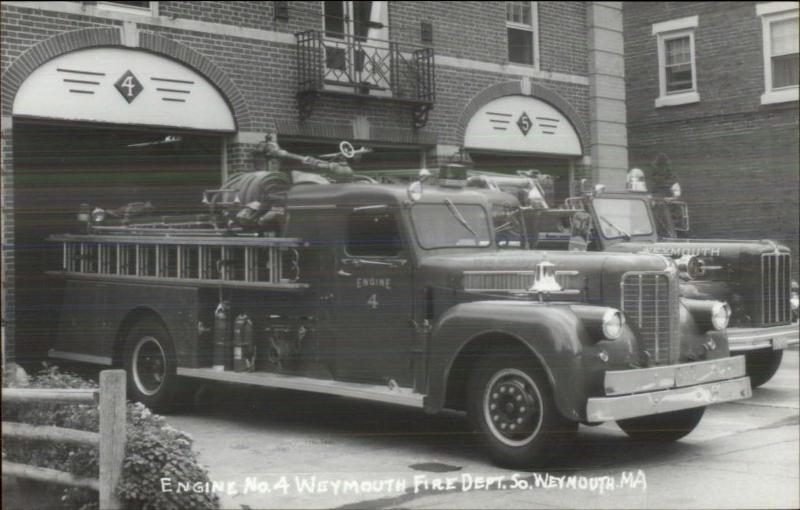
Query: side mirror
[{"x": 679, "y": 214}]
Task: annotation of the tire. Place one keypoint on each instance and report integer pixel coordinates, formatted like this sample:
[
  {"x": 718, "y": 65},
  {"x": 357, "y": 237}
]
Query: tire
[
  {"x": 664, "y": 427},
  {"x": 518, "y": 436},
  {"x": 150, "y": 364},
  {"x": 761, "y": 365}
]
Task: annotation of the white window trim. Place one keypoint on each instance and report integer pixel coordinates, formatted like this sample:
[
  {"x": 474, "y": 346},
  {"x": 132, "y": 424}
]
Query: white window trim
[
  {"x": 770, "y": 13},
  {"x": 144, "y": 11},
  {"x": 675, "y": 24},
  {"x": 775, "y": 8},
  {"x": 683, "y": 97},
  {"x": 533, "y": 27}
]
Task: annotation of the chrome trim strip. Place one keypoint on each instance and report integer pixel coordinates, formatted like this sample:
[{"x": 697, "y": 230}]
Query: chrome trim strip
[
  {"x": 399, "y": 396},
  {"x": 645, "y": 404},
  {"x": 748, "y": 339},
  {"x": 640, "y": 380},
  {"x": 83, "y": 358}
]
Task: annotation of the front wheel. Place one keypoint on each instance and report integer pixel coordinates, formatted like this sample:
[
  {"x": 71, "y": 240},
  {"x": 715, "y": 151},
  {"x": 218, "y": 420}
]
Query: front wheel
[
  {"x": 512, "y": 405},
  {"x": 761, "y": 365},
  {"x": 150, "y": 364},
  {"x": 664, "y": 427}
]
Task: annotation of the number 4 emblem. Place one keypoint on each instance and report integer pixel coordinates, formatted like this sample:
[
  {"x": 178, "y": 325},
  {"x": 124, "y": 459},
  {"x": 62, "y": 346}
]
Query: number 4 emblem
[
  {"x": 129, "y": 86},
  {"x": 373, "y": 301}
]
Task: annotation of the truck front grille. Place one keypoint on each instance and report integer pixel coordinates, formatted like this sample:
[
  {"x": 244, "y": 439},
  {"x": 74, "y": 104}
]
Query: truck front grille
[
  {"x": 775, "y": 288},
  {"x": 649, "y": 301},
  {"x": 498, "y": 281}
]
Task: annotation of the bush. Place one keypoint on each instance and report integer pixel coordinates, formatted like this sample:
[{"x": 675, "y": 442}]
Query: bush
[{"x": 153, "y": 451}]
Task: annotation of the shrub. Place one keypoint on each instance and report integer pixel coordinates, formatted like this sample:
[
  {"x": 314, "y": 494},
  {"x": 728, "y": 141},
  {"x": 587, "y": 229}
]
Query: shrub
[{"x": 153, "y": 451}]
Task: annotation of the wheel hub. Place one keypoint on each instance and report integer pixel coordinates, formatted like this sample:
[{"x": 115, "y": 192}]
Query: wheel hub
[
  {"x": 512, "y": 407},
  {"x": 149, "y": 365}
]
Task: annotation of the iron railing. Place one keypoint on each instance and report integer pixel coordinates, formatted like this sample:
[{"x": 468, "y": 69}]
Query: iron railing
[{"x": 371, "y": 68}]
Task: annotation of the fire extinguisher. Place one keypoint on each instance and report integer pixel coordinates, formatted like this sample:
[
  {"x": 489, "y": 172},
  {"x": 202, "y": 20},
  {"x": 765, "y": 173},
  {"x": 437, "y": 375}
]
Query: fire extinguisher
[
  {"x": 221, "y": 335},
  {"x": 243, "y": 344}
]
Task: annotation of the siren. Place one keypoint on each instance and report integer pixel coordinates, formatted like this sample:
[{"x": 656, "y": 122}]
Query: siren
[{"x": 635, "y": 180}]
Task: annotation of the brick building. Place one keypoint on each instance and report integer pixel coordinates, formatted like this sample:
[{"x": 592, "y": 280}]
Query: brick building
[
  {"x": 714, "y": 87},
  {"x": 107, "y": 103}
]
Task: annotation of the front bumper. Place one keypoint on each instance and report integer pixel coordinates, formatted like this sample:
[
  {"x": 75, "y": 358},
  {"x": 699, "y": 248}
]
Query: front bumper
[
  {"x": 775, "y": 337},
  {"x": 647, "y": 391}
]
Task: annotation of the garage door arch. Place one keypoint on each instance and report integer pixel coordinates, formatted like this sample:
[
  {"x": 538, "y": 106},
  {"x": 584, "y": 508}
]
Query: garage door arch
[{"x": 21, "y": 69}]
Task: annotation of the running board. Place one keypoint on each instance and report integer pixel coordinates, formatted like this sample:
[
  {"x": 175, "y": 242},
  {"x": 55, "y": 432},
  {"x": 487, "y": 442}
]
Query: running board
[{"x": 397, "y": 395}]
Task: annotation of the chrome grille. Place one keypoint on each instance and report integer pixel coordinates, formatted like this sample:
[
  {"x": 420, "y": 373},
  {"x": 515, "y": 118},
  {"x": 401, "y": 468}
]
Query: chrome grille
[
  {"x": 514, "y": 281},
  {"x": 498, "y": 281},
  {"x": 649, "y": 301},
  {"x": 775, "y": 290}
]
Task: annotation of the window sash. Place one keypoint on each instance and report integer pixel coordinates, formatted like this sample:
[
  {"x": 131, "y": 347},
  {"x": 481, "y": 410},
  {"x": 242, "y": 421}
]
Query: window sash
[
  {"x": 676, "y": 61},
  {"x": 526, "y": 51},
  {"x": 780, "y": 34},
  {"x": 786, "y": 43},
  {"x": 521, "y": 18},
  {"x": 785, "y": 71},
  {"x": 519, "y": 13}
]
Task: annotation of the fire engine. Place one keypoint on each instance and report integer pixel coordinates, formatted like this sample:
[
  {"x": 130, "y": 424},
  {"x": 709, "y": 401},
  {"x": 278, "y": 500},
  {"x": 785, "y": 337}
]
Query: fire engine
[
  {"x": 753, "y": 277},
  {"x": 330, "y": 282}
]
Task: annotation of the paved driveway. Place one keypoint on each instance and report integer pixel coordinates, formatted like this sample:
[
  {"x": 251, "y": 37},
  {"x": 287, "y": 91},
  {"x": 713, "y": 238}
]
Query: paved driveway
[{"x": 277, "y": 449}]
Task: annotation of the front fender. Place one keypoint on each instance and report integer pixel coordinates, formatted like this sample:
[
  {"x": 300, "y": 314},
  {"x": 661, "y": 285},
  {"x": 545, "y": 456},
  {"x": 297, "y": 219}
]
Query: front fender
[{"x": 554, "y": 333}]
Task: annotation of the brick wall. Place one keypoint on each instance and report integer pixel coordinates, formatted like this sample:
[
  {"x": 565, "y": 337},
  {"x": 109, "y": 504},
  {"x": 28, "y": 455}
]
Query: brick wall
[{"x": 737, "y": 160}]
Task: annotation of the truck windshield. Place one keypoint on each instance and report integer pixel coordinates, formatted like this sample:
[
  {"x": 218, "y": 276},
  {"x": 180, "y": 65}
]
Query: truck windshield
[
  {"x": 450, "y": 225},
  {"x": 622, "y": 218}
]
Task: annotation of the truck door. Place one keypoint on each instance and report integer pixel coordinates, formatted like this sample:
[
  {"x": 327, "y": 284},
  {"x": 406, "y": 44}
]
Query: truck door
[{"x": 374, "y": 299}]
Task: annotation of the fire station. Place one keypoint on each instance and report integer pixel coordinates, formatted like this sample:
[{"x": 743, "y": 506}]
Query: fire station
[{"x": 153, "y": 102}]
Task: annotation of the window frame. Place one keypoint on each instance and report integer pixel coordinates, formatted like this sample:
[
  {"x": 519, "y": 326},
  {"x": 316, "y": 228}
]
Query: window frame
[
  {"x": 533, "y": 28},
  {"x": 380, "y": 208},
  {"x": 152, "y": 10},
  {"x": 770, "y": 13},
  {"x": 418, "y": 237},
  {"x": 667, "y": 31}
]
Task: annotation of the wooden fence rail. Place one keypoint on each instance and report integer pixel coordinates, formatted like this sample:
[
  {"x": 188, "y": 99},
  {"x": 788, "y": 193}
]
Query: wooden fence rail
[{"x": 110, "y": 399}]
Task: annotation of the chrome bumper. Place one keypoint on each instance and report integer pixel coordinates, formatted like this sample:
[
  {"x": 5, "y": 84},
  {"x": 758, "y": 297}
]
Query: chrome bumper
[
  {"x": 776, "y": 337},
  {"x": 646, "y": 391}
]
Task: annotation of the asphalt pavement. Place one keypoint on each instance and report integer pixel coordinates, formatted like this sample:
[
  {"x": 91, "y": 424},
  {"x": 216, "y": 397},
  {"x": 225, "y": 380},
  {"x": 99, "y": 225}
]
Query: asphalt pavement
[{"x": 280, "y": 449}]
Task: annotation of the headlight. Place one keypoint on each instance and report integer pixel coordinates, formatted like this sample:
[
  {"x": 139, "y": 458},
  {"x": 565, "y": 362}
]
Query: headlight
[
  {"x": 794, "y": 300},
  {"x": 720, "y": 315},
  {"x": 613, "y": 320}
]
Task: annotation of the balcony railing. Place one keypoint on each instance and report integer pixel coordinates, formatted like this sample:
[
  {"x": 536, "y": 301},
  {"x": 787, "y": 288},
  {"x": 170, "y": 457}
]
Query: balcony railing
[{"x": 339, "y": 64}]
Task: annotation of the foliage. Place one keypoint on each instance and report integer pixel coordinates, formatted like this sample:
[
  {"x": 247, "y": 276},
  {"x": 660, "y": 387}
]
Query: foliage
[{"x": 153, "y": 451}]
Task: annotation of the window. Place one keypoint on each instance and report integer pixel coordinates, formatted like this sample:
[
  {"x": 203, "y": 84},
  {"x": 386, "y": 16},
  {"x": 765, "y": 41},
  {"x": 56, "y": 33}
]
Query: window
[
  {"x": 622, "y": 218},
  {"x": 677, "y": 72},
  {"x": 780, "y": 36},
  {"x": 373, "y": 233},
  {"x": 147, "y": 8},
  {"x": 451, "y": 225},
  {"x": 355, "y": 44},
  {"x": 521, "y": 24}
]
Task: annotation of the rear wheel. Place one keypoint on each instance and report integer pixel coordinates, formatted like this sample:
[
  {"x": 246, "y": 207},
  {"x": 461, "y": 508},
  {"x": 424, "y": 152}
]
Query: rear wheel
[
  {"x": 761, "y": 365},
  {"x": 664, "y": 427},
  {"x": 511, "y": 403},
  {"x": 150, "y": 364}
]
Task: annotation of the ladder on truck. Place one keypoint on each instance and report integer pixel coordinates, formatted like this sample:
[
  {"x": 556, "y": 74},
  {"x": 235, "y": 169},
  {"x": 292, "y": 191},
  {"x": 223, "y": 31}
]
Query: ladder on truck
[{"x": 248, "y": 262}]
